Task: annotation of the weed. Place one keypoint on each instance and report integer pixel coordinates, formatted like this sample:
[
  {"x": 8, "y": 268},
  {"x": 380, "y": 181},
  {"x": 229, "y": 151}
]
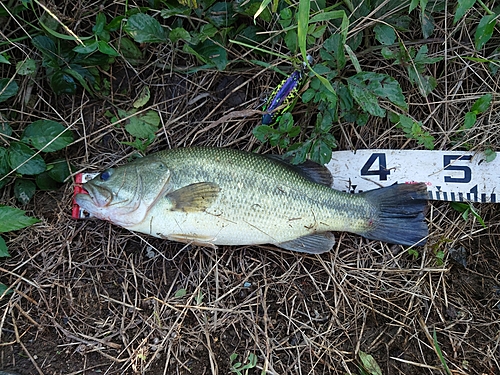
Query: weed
[
  {"x": 240, "y": 368},
  {"x": 440, "y": 353}
]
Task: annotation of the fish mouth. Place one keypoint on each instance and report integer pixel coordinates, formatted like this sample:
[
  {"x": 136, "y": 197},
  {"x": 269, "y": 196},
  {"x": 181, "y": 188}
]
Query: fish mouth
[{"x": 98, "y": 196}]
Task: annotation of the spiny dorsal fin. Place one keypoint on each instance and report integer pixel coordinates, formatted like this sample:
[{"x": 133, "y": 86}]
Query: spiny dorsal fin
[
  {"x": 194, "y": 197},
  {"x": 309, "y": 169}
]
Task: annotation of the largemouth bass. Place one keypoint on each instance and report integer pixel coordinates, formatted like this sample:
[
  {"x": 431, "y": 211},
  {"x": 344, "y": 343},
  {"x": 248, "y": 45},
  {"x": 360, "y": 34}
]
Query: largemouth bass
[{"x": 215, "y": 196}]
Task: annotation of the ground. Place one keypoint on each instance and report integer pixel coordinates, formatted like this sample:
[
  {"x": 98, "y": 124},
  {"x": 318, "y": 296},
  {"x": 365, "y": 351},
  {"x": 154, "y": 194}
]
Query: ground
[{"x": 93, "y": 298}]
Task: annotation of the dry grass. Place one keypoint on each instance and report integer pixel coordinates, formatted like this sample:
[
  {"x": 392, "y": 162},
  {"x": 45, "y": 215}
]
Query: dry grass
[{"x": 93, "y": 298}]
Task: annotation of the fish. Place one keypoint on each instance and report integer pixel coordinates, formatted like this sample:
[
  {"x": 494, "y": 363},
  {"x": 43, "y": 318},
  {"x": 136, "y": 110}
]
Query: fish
[{"x": 211, "y": 196}]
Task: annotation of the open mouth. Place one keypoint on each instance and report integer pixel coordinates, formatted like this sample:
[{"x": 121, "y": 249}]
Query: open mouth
[{"x": 78, "y": 212}]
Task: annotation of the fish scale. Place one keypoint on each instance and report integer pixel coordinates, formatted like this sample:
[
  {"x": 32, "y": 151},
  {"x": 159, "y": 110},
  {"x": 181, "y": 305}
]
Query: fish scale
[{"x": 216, "y": 196}]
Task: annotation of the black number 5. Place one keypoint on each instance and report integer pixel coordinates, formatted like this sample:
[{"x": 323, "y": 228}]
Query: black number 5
[{"x": 462, "y": 168}]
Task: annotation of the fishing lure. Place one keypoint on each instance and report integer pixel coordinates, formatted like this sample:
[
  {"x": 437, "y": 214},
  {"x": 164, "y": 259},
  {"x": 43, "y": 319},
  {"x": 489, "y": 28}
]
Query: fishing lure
[{"x": 284, "y": 95}]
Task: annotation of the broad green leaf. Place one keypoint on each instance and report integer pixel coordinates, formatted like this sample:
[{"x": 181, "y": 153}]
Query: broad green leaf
[
  {"x": 87, "y": 48},
  {"x": 484, "y": 30},
  {"x": 45, "y": 182},
  {"x": 469, "y": 120},
  {"x": 221, "y": 14},
  {"x": 5, "y": 129},
  {"x": 100, "y": 22},
  {"x": 261, "y": 9},
  {"x": 24, "y": 190},
  {"x": 367, "y": 87},
  {"x": 47, "y": 135},
  {"x": 353, "y": 58},
  {"x": 4, "y": 59},
  {"x": 413, "y": 5},
  {"x": 490, "y": 155},
  {"x": 145, "y": 29},
  {"x": 481, "y": 104},
  {"x": 12, "y": 219},
  {"x": 26, "y": 67},
  {"x": 180, "y": 293},
  {"x": 143, "y": 98},
  {"x": 428, "y": 24},
  {"x": 8, "y": 89},
  {"x": 369, "y": 363},
  {"x": 144, "y": 125},
  {"x": 4, "y": 252},
  {"x": 24, "y": 160},
  {"x": 129, "y": 49},
  {"x": 62, "y": 83},
  {"x": 4, "y": 290},
  {"x": 105, "y": 48},
  {"x": 385, "y": 34},
  {"x": 462, "y": 7},
  {"x": 179, "y": 33},
  {"x": 59, "y": 170},
  {"x": 45, "y": 45},
  {"x": 209, "y": 53}
]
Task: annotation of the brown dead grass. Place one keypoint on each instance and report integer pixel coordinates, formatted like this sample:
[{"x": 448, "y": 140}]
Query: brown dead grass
[{"x": 90, "y": 297}]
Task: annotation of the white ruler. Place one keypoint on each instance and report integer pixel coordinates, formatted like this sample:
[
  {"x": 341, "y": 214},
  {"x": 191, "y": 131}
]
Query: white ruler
[{"x": 449, "y": 175}]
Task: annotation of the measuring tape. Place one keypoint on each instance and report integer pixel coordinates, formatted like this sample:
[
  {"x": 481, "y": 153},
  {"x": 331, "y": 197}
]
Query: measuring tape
[{"x": 449, "y": 175}]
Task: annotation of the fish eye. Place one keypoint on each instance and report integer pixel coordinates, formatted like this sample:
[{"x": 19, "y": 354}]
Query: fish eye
[{"x": 104, "y": 176}]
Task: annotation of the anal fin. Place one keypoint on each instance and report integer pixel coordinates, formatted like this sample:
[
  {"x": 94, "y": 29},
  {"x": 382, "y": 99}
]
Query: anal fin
[{"x": 311, "y": 244}]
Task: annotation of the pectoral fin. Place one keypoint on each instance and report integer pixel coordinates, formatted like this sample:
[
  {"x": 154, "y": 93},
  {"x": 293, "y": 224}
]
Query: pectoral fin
[
  {"x": 194, "y": 197},
  {"x": 312, "y": 244}
]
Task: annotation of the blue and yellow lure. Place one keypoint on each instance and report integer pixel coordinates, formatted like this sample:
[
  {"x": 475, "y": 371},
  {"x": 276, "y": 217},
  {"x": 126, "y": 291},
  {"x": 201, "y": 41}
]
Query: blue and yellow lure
[{"x": 285, "y": 94}]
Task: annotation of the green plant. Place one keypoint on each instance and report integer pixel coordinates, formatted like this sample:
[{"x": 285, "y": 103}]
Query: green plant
[
  {"x": 368, "y": 364},
  {"x": 466, "y": 209},
  {"x": 11, "y": 219},
  {"x": 440, "y": 353},
  {"x": 242, "y": 368},
  {"x": 142, "y": 125}
]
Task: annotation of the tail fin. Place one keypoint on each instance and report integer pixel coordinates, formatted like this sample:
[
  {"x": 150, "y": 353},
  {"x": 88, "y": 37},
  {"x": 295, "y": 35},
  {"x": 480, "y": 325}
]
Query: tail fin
[{"x": 401, "y": 214}]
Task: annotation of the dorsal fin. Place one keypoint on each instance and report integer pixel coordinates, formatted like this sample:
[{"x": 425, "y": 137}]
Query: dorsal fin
[{"x": 309, "y": 169}]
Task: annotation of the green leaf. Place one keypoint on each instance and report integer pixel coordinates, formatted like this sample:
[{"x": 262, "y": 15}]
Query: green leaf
[
  {"x": 47, "y": 135},
  {"x": 4, "y": 59},
  {"x": 4, "y": 252},
  {"x": 145, "y": 29},
  {"x": 369, "y": 363},
  {"x": 105, "y": 48},
  {"x": 221, "y": 14},
  {"x": 45, "y": 182},
  {"x": 62, "y": 83},
  {"x": 180, "y": 293},
  {"x": 179, "y": 33},
  {"x": 353, "y": 58},
  {"x": 8, "y": 89},
  {"x": 490, "y": 155},
  {"x": 12, "y": 219},
  {"x": 24, "y": 190},
  {"x": 87, "y": 48},
  {"x": 481, "y": 104},
  {"x": 303, "y": 15},
  {"x": 413, "y": 5},
  {"x": 209, "y": 53},
  {"x": 462, "y": 7},
  {"x": 384, "y": 34},
  {"x": 129, "y": 49},
  {"x": 428, "y": 24},
  {"x": 4, "y": 289},
  {"x": 143, "y": 98},
  {"x": 470, "y": 120},
  {"x": 26, "y": 67},
  {"x": 367, "y": 87},
  {"x": 46, "y": 46},
  {"x": 144, "y": 125},
  {"x": 484, "y": 30},
  {"x": 59, "y": 170},
  {"x": 24, "y": 160}
]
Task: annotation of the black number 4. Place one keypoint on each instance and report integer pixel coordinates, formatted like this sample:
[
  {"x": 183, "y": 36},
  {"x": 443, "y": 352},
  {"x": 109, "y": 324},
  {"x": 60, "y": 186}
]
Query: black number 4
[
  {"x": 382, "y": 170},
  {"x": 447, "y": 159}
]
